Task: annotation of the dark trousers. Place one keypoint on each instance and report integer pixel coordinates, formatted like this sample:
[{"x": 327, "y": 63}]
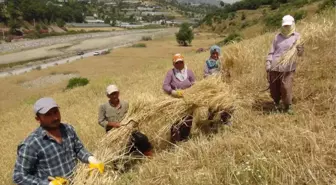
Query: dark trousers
[
  {"x": 281, "y": 86},
  {"x": 180, "y": 131}
]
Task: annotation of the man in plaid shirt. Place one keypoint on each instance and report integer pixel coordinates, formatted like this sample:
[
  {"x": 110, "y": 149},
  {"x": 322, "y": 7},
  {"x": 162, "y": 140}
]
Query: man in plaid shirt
[{"x": 49, "y": 155}]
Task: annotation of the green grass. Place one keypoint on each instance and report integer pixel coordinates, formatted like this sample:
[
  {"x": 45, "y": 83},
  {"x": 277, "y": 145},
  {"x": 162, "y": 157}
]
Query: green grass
[{"x": 77, "y": 82}]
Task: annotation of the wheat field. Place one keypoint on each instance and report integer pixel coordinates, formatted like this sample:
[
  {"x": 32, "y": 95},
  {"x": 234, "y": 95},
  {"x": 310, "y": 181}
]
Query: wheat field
[{"x": 260, "y": 148}]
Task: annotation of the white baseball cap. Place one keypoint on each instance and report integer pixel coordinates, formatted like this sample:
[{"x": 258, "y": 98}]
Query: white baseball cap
[
  {"x": 43, "y": 105},
  {"x": 288, "y": 20},
  {"x": 111, "y": 89}
]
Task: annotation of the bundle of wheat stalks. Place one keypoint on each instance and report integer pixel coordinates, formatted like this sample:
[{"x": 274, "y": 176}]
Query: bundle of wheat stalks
[
  {"x": 309, "y": 32},
  {"x": 154, "y": 117}
]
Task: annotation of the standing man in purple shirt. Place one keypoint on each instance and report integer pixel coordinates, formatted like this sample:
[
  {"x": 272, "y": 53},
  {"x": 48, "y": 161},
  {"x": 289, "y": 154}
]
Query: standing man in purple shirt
[
  {"x": 178, "y": 78},
  {"x": 281, "y": 76}
]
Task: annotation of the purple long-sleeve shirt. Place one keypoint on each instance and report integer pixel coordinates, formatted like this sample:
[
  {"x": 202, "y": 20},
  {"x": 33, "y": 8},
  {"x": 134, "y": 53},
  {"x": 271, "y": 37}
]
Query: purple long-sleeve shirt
[
  {"x": 172, "y": 83},
  {"x": 279, "y": 47}
]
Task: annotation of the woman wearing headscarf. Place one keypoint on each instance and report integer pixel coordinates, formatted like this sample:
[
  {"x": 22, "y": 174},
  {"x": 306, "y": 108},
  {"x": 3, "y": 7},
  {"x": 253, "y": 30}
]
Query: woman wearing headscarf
[
  {"x": 178, "y": 78},
  {"x": 281, "y": 76},
  {"x": 213, "y": 64}
]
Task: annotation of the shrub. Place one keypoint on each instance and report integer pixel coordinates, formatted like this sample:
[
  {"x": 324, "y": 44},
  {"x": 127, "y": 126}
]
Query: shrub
[
  {"x": 300, "y": 3},
  {"x": 274, "y": 20},
  {"x": 233, "y": 37},
  {"x": 232, "y": 23},
  {"x": 243, "y": 17},
  {"x": 44, "y": 27},
  {"x": 245, "y": 24},
  {"x": 275, "y": 5},
  {"x": 33, "y": 35},
  {"x": 300, "y": 15},
  {"x": 232, "y": 15},
  {"x": 146, "y": 38},
  {"x": 60, "y": 23},
  {"x": 185, "y": 35},
  {"x": 14, "y": 25},
  {"x": 37, "y": 27},
  {"x": 139, "y": 45},
  {"x": 264, "y": 12},
  {"x": 77, "y": 82},
  {"x": 326, "y": 4}
]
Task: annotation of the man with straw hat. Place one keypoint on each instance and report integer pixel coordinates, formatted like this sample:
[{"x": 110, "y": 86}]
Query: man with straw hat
[
  {"x": 112, "y": 112},
  {"x": 49, "y": 155},
  {"x": 280, "y": 76},
  {"x": 178, "y": 78}
]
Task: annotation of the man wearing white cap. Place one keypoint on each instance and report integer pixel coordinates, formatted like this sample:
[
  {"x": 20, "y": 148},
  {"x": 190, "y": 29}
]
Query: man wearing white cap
[
  {"x": 112, "y": 112},
  {"x": 49, "y": 155},
  {"x": 281, "y": 76}
]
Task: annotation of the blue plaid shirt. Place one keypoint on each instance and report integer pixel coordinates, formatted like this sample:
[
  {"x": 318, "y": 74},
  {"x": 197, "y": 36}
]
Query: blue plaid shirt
[{"x": 40, "y": 156}]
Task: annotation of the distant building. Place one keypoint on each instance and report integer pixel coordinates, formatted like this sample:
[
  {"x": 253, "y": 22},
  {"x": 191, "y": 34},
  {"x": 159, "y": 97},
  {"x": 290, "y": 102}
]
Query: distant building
[
  {"x": 138, "y": 18},
  {"x": 111, "y": 4},
  {"x": 145, "y": 9},
  {"x": 195, "y": 4},
  {"x": 93, "y": 20},
  {"x": 155, "y": 13}
]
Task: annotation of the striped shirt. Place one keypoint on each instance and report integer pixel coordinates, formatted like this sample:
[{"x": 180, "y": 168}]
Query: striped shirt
[{"x": 40, "y": 156}]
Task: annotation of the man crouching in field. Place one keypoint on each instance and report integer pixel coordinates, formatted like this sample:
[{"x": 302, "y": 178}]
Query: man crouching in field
[
  {"x": 48, "y": 156},
  {"x": 113, "y": 112}
]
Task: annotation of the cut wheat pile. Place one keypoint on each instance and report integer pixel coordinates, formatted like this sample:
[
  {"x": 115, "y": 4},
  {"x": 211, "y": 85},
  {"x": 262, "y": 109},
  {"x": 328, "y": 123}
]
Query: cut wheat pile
[
  {"x": 310, "y": 32},
  {"x": 154, "y": 117}
]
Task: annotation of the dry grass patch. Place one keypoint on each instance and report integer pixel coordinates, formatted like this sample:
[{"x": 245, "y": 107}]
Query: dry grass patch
[
  {"x": 260, "y": 147},
  {"x": 127, "y": 67}
]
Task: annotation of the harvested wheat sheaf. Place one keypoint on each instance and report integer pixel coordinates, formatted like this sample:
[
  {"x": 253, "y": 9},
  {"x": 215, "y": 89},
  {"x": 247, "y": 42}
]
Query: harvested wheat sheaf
[
  {"x": 309, "y": 33},
  {"x": 154, "y": 117}
]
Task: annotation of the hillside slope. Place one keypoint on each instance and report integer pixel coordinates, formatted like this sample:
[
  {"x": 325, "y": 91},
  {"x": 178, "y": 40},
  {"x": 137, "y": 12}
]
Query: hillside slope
[
  {"x": 261, "y": 147},
  {"x": 256, "y": 21}
]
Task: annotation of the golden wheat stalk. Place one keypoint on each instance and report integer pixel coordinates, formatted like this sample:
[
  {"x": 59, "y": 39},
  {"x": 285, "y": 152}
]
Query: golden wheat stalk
[
  {"x": 154, "y": 117},
  {"x": 309, "y": 33}
]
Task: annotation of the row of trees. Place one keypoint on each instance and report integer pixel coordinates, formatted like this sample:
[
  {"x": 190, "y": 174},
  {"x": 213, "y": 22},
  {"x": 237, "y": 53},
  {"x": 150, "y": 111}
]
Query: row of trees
[
  {"x": 48, "y": 11},
  {"x": 227, "y": 10}
]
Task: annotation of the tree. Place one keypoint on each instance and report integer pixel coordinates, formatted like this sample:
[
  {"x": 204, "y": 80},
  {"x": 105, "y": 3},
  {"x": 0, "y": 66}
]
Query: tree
[
  {"x": 222, "y": 3},
  {"x": 4, "y": 16},
  {"x": 275, "y": 5},
  {"x": 60, "y": 23},
  {"x": 185, "y": 35}
]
